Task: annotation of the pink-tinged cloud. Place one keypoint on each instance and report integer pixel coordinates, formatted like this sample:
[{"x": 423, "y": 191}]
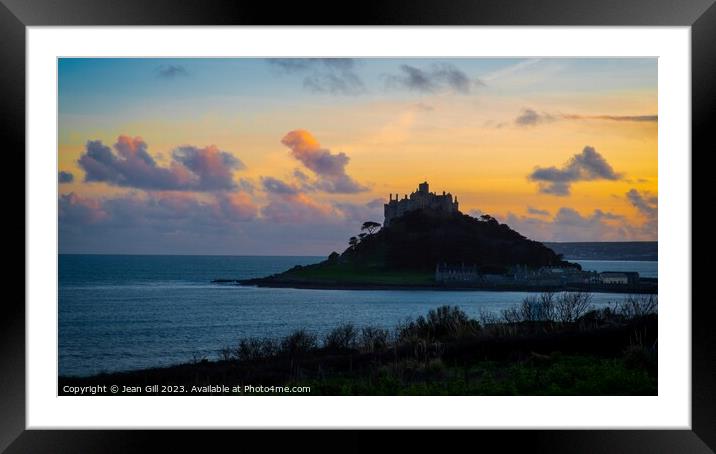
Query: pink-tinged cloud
[
  {"x": 362, "y": 212},
  {"x": 568, "y": 224},
  {"x": 329, "y": 168},
  {"x": 236, "y": 206},
  {"x": 76, "y": 209},
  {"x": 275, "y": 186},
  {"x": 167, "y": 211},
  {"x": 298, "y": 209},
  {"x": 131, "y": 165},
  {"x": 217, "y": 223}
]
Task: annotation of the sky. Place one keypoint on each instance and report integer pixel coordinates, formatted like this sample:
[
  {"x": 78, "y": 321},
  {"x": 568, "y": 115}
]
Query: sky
[{"x": 282, "y": 156}]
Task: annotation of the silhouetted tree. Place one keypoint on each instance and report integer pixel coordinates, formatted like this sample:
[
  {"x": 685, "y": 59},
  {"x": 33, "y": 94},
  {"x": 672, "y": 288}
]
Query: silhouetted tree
[
  {"x": 370, "y": 226},
  {"x": 353, "y": 241}
]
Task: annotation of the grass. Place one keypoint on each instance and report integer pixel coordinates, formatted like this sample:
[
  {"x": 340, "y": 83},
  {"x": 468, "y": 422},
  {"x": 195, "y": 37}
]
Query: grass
[
  {"x": 344, "y": 274},
  {"x": 555, "y": 375}
]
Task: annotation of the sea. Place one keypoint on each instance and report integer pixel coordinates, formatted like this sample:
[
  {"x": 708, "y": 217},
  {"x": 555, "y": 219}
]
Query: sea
[{"x": 125, "y": 312}]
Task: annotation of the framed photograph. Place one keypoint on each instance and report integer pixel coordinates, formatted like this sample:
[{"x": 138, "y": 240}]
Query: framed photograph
[{"x": 461, "y": 217}]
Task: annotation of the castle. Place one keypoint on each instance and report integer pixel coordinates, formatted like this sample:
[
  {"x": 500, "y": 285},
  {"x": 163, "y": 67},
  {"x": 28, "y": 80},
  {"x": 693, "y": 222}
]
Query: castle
[{"x": 422, "y": 198}]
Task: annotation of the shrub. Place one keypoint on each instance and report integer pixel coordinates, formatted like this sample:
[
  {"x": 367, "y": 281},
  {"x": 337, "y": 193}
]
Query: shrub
[
  {"x": 570, "y": 306},
  {"x": 598, "y": 317},
  {"x": 540, "y": 308},
  {"x": 198, "y": 358},
  {"x": 488, "y": 318},
  {"x": 511, "y": 315},
  {"x": 298, "y": 343},
  {"x": 341, "y": 338},
  {"x": 637, "y": 306},
  {"x": 374, "y": 339},
  {"x": 226, "y": 354},
  {"x": 445, "y": 322},
  {"x": 255, "y": 348}
]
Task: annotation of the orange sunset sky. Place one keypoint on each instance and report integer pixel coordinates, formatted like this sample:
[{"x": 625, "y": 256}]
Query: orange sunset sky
[{"x": 290, "y": 156}]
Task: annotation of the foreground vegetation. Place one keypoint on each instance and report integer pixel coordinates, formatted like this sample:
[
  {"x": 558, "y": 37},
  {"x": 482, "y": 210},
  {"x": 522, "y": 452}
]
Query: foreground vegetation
[{"x": 553, "y": 344}]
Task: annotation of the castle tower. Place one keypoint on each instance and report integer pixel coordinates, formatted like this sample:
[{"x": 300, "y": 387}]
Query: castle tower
[{"x": 421, "y": 199}]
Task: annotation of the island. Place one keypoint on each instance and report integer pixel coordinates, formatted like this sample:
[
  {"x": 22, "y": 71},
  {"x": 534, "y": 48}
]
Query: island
[{"x": 426, "y": 242}]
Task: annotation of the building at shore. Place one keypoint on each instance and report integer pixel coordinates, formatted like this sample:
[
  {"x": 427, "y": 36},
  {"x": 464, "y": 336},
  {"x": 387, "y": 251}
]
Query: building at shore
[
  {"x": 619, "y": 277},
  {"x": 520, "y": 275},
  {"x": 420, "y": 199}
]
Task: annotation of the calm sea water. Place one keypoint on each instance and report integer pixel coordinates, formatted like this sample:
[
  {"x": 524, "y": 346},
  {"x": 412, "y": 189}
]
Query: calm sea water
[{"x": 129, "y": 312}]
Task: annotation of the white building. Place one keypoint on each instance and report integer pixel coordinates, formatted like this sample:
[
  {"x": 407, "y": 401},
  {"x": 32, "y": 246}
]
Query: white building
[{"x": 614, "y": 277}]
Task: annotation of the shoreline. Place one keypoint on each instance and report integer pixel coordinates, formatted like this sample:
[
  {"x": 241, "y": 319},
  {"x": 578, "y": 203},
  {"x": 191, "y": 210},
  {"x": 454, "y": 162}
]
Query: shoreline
[{"x": 646, "y": 288}]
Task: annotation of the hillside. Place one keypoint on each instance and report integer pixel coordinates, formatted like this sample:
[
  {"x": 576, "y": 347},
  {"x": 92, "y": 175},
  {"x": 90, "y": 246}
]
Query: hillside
[
  {"x": 407, "y": 251},
  {"x": 420, "y": 239}
]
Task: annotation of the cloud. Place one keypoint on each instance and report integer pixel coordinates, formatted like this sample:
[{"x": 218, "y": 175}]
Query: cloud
[
  {"x": 570, "y": 225},
  {"x": 300, "y": 176},
  {"x": 530, "y": 117},
  {"x": 438, "y": 76},
  {"x": 131, "y": 165},
  {"x": 296, "y": 208},
  {"x": 298, "y": 65},
  {"x": 276, "y": 186},
  {"x": 165, "y": 212},
  {"x": 476, "y": 213},
  {"x": 212, "y": 166},
  {"x": 648, "y": 206},
  {"x": 361, "y": 212},
  {"x": 235, "y": 207},
  {"x": 171, "y": 71},
  {"x": 510, "y": 70},
  {"x": 588, "y": 165},
  {"x": 537, "y": 211},
  {"x": 644, "y": 202},
  {"x": 287, "y": 204},
  {"x": 227, "y": 222},
  {"x": 216, "y": 223},
  {"x": 246, "y": 185},
  {"x": 327, "y": 166},
  {"x": 335, "y": 76},
  {"x": 65, "y": 177},
  {"x": 345, "y": 83},
  {"x": 78, "y": 210},
  {"x": 635, "y": 118}
]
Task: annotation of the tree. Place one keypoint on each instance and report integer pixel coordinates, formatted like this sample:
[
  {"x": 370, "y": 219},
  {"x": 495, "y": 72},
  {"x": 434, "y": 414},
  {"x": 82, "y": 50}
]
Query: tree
[
  {"x": 370, "y": 226},
  {"x": 353, "y": 241},
  {"x": 362, "y": 236}
]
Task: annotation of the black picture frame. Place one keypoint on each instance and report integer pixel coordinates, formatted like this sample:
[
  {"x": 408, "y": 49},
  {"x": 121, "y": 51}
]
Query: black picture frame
[{"x": 16, "y": 15}]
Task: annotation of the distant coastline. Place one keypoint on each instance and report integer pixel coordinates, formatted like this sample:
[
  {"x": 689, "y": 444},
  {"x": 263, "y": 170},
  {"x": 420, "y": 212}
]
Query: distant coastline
[{"x": 644, "y": 251}]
